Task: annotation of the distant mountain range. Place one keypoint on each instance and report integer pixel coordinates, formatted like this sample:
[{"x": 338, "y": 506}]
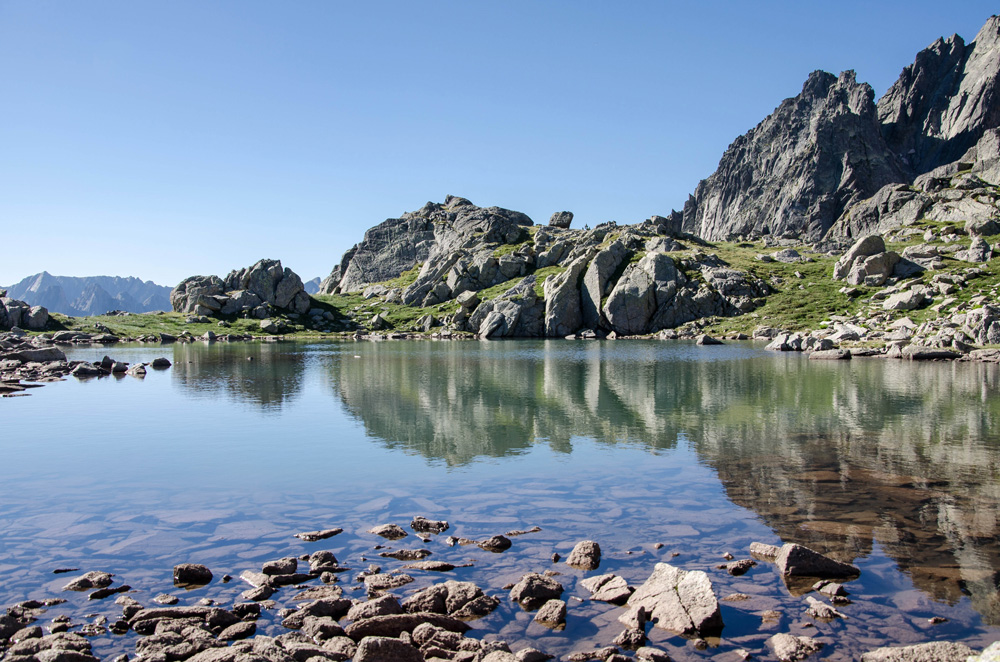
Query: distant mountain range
[
  {"x": 91, "y": 295},
  {"x": 312, "y": 286}
]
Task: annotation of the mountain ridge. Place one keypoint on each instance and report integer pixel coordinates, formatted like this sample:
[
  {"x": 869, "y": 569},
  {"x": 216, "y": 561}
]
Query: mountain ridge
[{"x": 90, "y": 295}]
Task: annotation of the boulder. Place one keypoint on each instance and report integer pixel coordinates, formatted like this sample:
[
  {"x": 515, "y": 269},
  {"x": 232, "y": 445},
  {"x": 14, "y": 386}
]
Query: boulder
[
  {"x": 563, "y": 312},
  {"x": 862, "y": 249},
  {"x": 644, "y": 288},
  {"x": 799, "y": 561},
  {"x": 597, "y": 282},
  {"x": 873, "y": 270},
  {"x": 561, "y": 219},
  {"x": 586, "y": 555},
  {"x": 191, "y": 574},
  {"x": 907, "y": 300},
  {"x": 36, "y": 319},
  {"x": 552, "y": 614},
  {"x": 676, "y": 600},
  {"x": 91, "y": 580},
  {"x": 978, "y": 251},
  {"x": 534, "y": 590},
  {"x": 790, "y": 648}
]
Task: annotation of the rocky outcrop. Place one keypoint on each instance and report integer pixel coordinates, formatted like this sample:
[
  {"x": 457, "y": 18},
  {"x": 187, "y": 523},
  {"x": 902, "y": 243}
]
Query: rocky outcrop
[
  {"x": 15, "y": 313},
  {"x": 256, "y": 291},
  {"x": 517, "y": 313},
  {"x": 797, "y": 171},
  {"x": 942, "y": 103},
  {"x": 425, "y": 236}
]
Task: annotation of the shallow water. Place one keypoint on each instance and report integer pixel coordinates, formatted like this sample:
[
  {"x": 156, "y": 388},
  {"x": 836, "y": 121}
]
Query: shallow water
[{"x": 220, "y": 459}]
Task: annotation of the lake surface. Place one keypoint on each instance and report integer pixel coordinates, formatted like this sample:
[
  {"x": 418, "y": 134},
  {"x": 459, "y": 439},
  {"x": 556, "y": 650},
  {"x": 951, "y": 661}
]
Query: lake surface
[{"x": 894, "y": 466}]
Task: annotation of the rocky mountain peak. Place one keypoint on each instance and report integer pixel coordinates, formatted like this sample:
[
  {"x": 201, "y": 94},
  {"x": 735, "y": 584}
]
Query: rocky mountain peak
[
  {"x": 942, "y": 103},
  {"x": 795, "y": 172}
]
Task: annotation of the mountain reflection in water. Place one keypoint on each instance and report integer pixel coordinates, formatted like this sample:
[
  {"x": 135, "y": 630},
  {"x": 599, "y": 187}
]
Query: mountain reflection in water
[{"x": 835, "y": 455}]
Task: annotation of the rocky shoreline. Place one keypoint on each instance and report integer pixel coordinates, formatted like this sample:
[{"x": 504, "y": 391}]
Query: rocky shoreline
[{"x": 314, "y": 607}]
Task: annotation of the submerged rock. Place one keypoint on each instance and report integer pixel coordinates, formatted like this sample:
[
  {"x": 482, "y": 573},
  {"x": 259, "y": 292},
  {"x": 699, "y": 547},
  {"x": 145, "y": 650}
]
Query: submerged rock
[
  {"x": 789, "y": 648},
  {"x": 91, "y": 580}
]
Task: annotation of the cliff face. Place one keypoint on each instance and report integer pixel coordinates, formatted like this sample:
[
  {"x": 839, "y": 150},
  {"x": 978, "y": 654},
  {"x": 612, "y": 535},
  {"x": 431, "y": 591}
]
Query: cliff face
[
  {"x": 796, "y": 172},
  {"x": 830, "y": 147},
  {"x": 943, "y": 102}
]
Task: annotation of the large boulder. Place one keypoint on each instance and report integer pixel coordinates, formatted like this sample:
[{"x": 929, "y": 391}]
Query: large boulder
[
  {"x": 861, "y": 250},
  {"x": 561, "y": 219},
  {"x": 563, "y": 314},
  {"x": 676, "y": 600},
  {"x": 643, "y": 288},
  {"x": 517, "y": 313},
  {"x": 597, "y": 282}
]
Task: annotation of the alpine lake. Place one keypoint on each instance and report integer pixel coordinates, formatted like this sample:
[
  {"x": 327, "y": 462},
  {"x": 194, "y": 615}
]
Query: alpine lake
[{"x": 660, "y": 451}]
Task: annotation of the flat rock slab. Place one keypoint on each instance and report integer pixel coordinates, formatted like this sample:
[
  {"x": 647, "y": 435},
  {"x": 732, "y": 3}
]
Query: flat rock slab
[
  {"x": 917, "y": 353},
  {"x": 935, "y": 651},
  {"x": 95, "y": 579},
  {"x": 313, "y": 536},
  {"x": 389, "y": 531},
  {"x": 799, "y": 561},
  {"x": 676, "y": 600},
  {"x": 831, "y": 355},
  {"x": 608, "y": 588},
  {"x": 386, "y": 582}
]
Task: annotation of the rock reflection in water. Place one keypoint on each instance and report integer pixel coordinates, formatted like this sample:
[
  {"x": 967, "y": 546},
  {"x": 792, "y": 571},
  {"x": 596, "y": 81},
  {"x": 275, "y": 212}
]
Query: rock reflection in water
[
  {"x": 838, "y": 456},
  {"x": 266, "y": 375}
]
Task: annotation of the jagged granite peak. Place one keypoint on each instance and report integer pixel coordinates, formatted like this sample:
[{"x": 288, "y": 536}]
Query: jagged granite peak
[
  {"x": 795, "y": 172},
  {"x": 432, "y": 232},
  {"x": 943, "y": 102},
  {"x": 91, "y": 295}
]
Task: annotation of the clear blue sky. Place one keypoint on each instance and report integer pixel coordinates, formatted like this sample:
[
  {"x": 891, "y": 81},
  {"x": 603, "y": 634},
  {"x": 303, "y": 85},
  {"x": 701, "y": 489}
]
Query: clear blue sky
[{"x": 165, "y": 139}]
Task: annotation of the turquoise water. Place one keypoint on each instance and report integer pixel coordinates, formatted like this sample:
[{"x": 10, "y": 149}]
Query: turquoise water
[{"x": 221, "y": 458}]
